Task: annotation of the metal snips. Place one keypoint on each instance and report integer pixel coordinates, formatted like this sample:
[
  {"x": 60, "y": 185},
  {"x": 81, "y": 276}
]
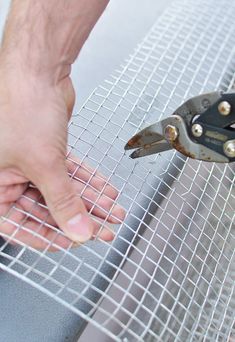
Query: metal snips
[{"x": 201, "y": 128}]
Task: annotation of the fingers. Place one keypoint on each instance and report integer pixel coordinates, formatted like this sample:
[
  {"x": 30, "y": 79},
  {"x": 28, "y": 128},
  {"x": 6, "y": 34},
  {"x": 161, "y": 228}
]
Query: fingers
[
  {"x": 66, "y": 207},
  {"x": 103, "y": 232},
  {"x": 98, "y": 195},
  {"x": 86, "y": 174},
  {"x": 99, "y": 204},
  {"x": 68, "y": 202},
  {"x": 11, "y": 177},
  {"x": 10, "y": 193},
  {"x": 19, "y": 229},
  {"x": 32, "y": 202},
  {"x": 69, "y": 210}
]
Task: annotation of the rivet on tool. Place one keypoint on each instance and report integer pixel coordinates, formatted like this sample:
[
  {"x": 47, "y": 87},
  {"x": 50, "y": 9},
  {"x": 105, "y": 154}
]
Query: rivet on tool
[
  {"x": 171, "y": 133},
  {"x": 224, "y": 108},
  {"x": 229, "y": 148},
  {"x": 197, "y": 130}
]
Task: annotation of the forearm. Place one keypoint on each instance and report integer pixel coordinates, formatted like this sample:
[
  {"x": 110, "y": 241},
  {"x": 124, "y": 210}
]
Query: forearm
[{"x": 44, "y": 37}]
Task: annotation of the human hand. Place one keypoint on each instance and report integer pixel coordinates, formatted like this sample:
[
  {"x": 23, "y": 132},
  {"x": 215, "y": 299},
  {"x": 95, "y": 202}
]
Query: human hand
[{"x": 33, "y": 144}]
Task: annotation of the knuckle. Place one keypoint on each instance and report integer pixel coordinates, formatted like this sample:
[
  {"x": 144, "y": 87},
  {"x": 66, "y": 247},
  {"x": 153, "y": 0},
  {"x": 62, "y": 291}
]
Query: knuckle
[{"x": 64, "y": 202}]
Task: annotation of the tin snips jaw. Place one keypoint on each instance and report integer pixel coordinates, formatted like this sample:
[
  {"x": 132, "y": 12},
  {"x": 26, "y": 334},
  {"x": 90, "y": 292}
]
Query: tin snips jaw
[{"x": 201, "y": 128}]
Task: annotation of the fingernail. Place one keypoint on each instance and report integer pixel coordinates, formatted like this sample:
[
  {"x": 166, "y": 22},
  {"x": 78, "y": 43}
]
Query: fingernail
[{"x": 79, "y": 228}]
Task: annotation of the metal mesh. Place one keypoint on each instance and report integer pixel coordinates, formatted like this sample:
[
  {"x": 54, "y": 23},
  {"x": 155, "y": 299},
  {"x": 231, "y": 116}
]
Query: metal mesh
[{"x": 169, "y": 274}]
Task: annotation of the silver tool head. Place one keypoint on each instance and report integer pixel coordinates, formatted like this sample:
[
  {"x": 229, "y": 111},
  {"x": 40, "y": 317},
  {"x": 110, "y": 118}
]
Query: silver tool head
[
  {"x": 170, "y": 133},
  {"x": 150, "y": 140}
]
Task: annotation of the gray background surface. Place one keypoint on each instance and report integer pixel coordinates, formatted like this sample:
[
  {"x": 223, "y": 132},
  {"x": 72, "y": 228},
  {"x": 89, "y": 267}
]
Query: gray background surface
[{"x": 26, "y": 314}]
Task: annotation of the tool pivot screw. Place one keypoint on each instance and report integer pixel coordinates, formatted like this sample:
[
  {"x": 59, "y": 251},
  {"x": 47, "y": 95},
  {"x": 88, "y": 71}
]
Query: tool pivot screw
[
  {"x": 224, "y": 108},
  {"x": 197, "y": 130},
  {"x": 171, "y": 133},
  {"x": 229, "y": 148}
]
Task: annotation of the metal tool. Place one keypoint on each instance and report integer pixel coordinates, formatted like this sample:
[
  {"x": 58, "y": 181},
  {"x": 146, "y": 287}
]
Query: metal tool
[{"x": 201, "y": 128}]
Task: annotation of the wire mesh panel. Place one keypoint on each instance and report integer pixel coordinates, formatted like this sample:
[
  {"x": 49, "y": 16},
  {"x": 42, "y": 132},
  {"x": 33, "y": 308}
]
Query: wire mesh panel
[{"x": 169, "y": 274}]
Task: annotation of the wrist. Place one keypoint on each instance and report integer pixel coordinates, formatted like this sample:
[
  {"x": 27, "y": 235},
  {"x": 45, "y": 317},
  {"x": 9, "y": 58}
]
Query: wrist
[
  {"x": 22, "y": 83},
  {"x": 44, "y": 38},
  {"x": 39, "y": 68}
]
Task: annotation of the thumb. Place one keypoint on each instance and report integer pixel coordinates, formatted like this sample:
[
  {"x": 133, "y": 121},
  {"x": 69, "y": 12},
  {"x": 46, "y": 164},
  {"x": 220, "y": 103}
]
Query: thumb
[{"x": 65, "y": 205}]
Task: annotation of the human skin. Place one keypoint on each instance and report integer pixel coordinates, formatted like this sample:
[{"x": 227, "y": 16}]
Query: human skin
[{"x": 42, "y": 39}]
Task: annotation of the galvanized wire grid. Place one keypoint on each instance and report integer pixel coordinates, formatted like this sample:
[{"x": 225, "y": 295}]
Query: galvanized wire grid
[{"x": 169, "y": 275}]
